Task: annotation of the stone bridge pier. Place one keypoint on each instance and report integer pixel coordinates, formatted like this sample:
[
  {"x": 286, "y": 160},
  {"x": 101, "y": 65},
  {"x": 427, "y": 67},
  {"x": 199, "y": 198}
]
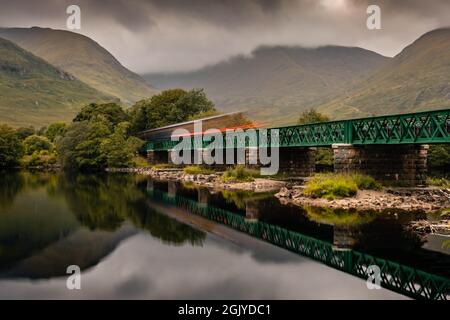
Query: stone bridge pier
[
  {"x": 294, "y": 161},
  {"x": 157, "y": 157},
  {"x": 251, "y": 211},
  {"x": 172, "y": 188},
  {"x": 401, "y": 165},
  {"x": 204, "y": 197}
]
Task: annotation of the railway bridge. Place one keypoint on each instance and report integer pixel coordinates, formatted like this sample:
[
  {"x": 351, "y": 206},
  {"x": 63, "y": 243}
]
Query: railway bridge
[{"x": 390, "y": 148}]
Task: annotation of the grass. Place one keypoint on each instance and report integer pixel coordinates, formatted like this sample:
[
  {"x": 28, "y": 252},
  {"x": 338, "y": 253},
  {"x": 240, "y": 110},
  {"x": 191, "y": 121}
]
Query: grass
[
  {"x": 239, "y": 174},
  {"x": 365, "y": 182},
  {"x": 197, "y": 170},
  {"x": 331, "y": 185},
  {"x": 164, "y": 166},
  {"x": 140, "y": 162},
  {"x": 438, "y": 182}
]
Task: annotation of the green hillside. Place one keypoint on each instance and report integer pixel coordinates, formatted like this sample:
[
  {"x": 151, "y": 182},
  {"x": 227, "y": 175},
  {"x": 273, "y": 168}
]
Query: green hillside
[
  {"x": 278, "y": 83},
  {"x": 33, "y": 92},
  {"x": 82, "y": 57},
  {"x": 416, "y": 79}
]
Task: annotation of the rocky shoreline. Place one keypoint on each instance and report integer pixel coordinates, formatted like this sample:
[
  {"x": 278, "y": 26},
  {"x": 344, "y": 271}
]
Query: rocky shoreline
[
  {"x": 408, "y": 199},
  {"x": 212, "y": 181}
]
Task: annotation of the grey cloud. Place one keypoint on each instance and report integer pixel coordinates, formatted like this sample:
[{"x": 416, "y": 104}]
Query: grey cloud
[{"x": 177, "y": 35}]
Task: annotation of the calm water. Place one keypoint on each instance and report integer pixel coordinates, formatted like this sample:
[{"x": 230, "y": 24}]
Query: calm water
[{"x": 131, "y": 242}]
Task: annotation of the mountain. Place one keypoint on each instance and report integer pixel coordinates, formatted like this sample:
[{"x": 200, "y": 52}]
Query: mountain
[
  {"x": 417, "y": 79},
  {"x": 277, "y": 83},
  {"x": 82, "y": 57},
  {"x": 33, "y": 92}
]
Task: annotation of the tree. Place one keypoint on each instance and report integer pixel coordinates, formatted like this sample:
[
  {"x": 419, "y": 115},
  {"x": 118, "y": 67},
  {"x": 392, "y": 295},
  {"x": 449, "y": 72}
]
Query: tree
[
  {"x": 324, "y": 157},
  {"x": 118, "y": 149},
  {"x": 439, "y": 157},
  {"x": 312, "y": 116},
  {"x": 79, "y": 149},
  {"x": 169, "y": 107},
  {"x": 25, "y": 132},
  {"x": 66, "y": 147},
  {"x": 54, "y": 130},
  {"x": 36, "y": 144},
  {"x": 88, "y": 155},
  {"x": 11, "y": 149},
  {"x": 112, "y": 112}
]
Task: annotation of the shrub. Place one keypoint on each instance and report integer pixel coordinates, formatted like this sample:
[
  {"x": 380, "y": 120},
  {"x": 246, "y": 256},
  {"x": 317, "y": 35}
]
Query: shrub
[
  {"x": 438, "y": 182},
  {"x": 365, "y": 182},
  {"x": 140, "y": 162},
  {"x": 312, "y": 116},
  {"x": 35, "y": 143},
  {"x": 239, "y": 174},
  {"x": 11, "y": 149},
  {"x": 39, "y": 159},
  {"x": 164, "y": 166},
  {"x": 330, "y": 186},
  {"x": 55, "y": 130},
  {"x": 197, "y": 170}
]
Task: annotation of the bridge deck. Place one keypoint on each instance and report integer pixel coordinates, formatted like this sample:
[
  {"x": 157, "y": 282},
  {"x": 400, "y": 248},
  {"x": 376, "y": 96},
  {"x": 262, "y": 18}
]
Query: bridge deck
[{"x": 413, "y": 128}]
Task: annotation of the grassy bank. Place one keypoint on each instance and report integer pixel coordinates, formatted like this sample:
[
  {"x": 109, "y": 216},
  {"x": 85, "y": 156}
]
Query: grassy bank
[
  {"x": 240, "y": 174},
  {"x": 331, "y": 185}
]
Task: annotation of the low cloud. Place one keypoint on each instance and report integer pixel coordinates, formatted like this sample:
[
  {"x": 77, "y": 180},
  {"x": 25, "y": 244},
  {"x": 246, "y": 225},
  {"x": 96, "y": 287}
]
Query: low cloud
[{"x": 178, "y": 35}]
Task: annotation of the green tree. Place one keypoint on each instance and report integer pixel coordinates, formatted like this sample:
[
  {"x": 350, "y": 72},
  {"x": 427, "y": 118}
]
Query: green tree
[
  {"x": 88, "y": 153},
  {"x": 54, "y": 130},
  {"x": 324, "y": 157},
  {"x": 439, "y": 157},
  {"x": 119, "y": 149},
  {"x": 79, "y": 149},
  {"x": 112, "y": 112},
  {"x": 36, "y": 144},
  {"x": 76, "y": 133},
  {"x": 312, "y": 116},
  {"x": 25, "y": 132},
  {"x": 11, "y": 149},
  {"x": 169, "y": 107}
]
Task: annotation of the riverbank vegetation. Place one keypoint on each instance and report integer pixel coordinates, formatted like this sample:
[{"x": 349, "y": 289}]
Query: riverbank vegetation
[
  {"x": 239, "y": 174},
  {"x": 438, "y": 182},
  {"x": 331, "y": 185},
  {"x": 197, "y": 170},
  {"x": 324, "y": 156},
  {"x": 101, "y": 135}
]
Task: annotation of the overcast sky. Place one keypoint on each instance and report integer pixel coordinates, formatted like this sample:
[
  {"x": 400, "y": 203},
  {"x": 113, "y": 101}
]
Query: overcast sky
[{"x": 178, "y": 35}]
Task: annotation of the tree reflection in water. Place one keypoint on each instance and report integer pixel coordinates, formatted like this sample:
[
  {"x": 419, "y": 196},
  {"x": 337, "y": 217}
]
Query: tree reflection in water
[{"x": 39, "y": 211}]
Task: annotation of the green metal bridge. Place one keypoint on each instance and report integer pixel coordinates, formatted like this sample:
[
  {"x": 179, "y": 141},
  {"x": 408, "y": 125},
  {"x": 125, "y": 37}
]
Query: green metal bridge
[
  {"x": 413, "y": 128},
  {"x": 394, "y": 276}
]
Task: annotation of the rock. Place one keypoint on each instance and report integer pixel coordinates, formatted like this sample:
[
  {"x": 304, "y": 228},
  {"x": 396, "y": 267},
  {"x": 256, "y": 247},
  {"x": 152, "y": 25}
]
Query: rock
[{"x": 284, "y": 193}]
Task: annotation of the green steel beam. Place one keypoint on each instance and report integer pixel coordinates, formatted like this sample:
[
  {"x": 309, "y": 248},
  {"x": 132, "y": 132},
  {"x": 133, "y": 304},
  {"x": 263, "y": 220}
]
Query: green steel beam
[{"x": 413, "y": 128}]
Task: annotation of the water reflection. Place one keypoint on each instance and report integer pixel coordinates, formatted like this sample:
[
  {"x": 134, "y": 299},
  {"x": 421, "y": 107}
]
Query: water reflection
[
  {"x": 398, "y": 250},
  {"x": 108, "y": 223},
  {"x": 382, "y": 234},
  {"x": 46, "y": 214}
]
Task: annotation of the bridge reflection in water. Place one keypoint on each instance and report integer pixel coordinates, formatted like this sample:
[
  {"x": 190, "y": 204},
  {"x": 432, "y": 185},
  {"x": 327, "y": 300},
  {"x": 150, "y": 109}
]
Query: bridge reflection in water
[{"x": 334, "y": 251}]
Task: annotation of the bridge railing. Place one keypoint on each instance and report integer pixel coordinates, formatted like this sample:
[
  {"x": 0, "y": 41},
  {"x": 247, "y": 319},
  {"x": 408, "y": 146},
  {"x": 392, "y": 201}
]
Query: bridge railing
[{"x": 413, "y": 128}]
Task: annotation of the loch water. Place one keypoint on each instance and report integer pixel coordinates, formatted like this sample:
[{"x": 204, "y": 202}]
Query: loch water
[{"x": 137, "y": 238}]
